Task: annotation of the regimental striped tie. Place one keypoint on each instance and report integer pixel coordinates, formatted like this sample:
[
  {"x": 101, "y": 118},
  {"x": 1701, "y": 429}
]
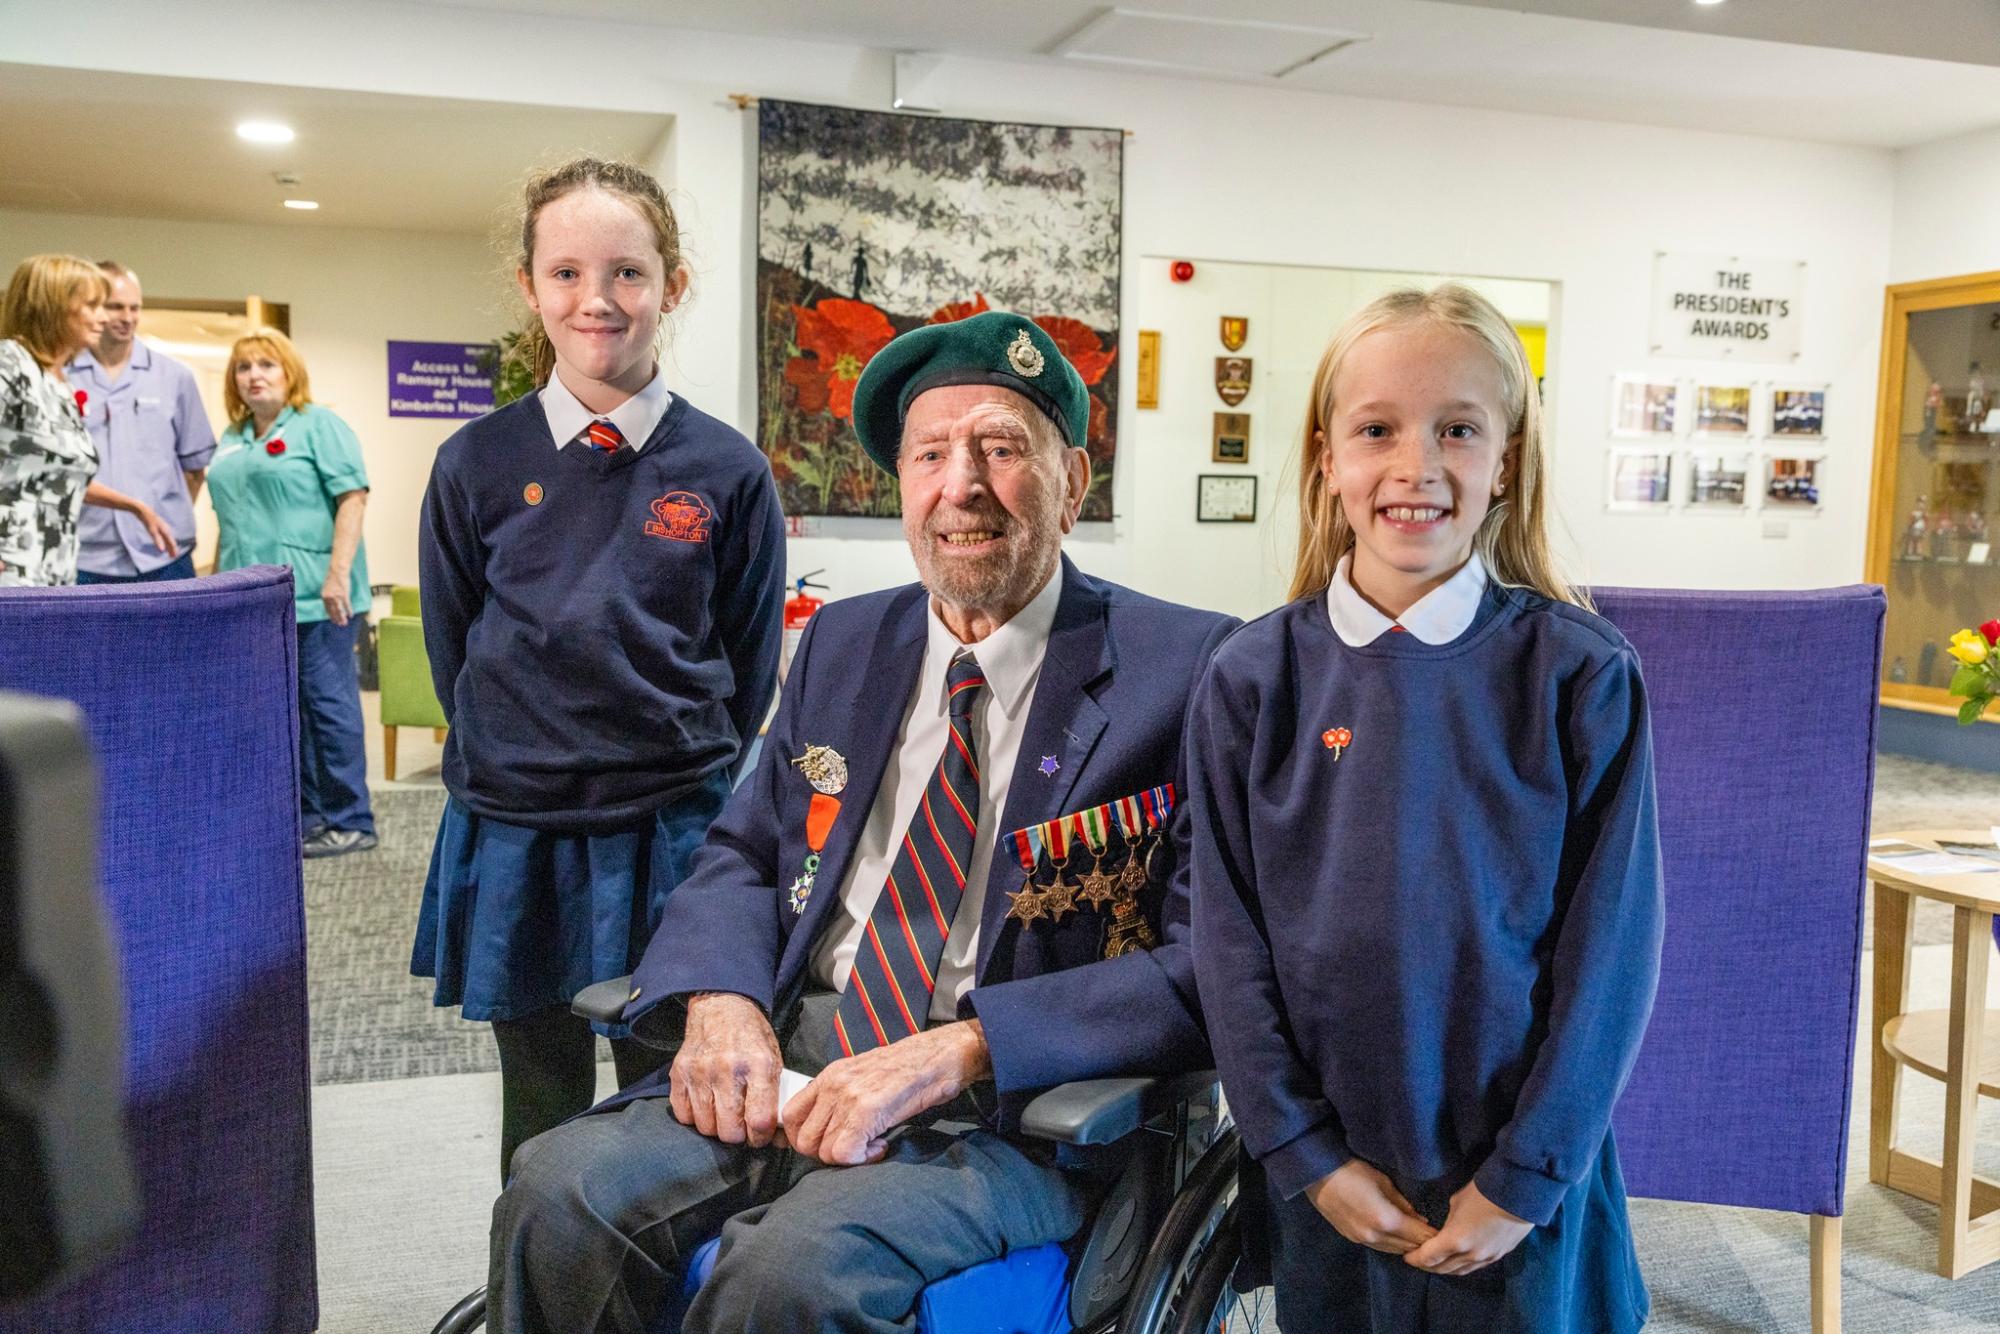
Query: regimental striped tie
[
  {"x": 888, "y": 994},
  {"x": 604, "y": 435}
]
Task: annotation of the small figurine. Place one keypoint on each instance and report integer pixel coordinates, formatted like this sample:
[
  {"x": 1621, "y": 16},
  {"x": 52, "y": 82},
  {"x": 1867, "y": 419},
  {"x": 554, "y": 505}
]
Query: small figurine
[
  {"x": 1899, "y": 671},
  {"x": 1943, "y": 537},
  {"x": 1933, "y": 400},
  {"x": 1975, "y": 399},
  {"x": 1975, "y": 527},
  {"x": 1913, "y": 532}
]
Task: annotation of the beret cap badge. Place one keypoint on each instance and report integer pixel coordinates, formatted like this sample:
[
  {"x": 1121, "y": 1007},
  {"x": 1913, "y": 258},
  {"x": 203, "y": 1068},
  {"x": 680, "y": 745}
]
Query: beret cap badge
[{"x": 1024, "y": 356}]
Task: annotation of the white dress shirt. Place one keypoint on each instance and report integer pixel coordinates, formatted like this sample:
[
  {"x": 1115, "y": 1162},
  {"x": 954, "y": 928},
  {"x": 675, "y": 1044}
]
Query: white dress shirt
[
  {"x": 1011, "y": 658},
  {"x": 635, "y": 418},
  {"x": 1438, "y": 617}
]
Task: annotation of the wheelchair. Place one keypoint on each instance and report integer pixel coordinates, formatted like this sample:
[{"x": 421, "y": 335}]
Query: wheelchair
[{"x": 1158, "y": 1258}]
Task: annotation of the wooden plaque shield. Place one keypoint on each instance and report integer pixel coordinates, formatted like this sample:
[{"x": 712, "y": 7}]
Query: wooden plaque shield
[
  {"x": 1235, "y": 330},
  {"x": 1232, "y": 379}
]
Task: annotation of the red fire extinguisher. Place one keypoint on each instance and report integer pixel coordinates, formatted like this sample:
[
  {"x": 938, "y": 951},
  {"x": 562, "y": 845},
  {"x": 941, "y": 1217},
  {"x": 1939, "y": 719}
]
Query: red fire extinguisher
[{"x": 799, "y": 609}]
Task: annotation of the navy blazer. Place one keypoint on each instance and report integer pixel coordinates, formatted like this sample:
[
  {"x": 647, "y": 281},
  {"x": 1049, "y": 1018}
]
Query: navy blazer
[{"x": 1109, "y": 705}]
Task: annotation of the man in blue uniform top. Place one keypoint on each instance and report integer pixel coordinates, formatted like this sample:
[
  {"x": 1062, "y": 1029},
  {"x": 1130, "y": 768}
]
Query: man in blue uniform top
[{"x": 863, "y": 910}]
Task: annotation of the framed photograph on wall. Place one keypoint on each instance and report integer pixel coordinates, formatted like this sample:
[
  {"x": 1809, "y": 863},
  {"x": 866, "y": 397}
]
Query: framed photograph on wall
[
  {"x": 1792, "y": 482},
  {"x": 1640, "y": 479},
  {"x": 1798, "y": 411},
  {"x": 1718, "y": 479},
  {"x": 1722, "y": 409},
  {"x": 1644, "y": 405}
]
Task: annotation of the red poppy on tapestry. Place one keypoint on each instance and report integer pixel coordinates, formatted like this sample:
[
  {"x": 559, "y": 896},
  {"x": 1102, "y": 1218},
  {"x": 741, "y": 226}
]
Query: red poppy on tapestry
[{"x": 839, "y": 336}]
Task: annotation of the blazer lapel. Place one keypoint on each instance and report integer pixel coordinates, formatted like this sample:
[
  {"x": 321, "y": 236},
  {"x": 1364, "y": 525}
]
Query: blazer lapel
[
  {"x": 866, "y": 716},
  {"x": 1064, "y": 723}
]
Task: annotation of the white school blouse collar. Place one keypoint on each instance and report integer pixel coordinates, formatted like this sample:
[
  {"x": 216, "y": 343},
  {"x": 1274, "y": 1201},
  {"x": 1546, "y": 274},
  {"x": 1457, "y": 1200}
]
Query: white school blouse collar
[
  {"x": 1010, "y": 658},
  {"x": 635, "y": 418},
  {"x": 1438, "y": 617}
]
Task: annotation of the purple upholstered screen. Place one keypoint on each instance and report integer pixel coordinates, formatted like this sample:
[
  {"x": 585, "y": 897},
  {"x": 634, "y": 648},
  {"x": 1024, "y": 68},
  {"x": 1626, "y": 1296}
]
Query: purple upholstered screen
[
  {"x": 188, "y": 691},
  {"x": 1763, "y": 709}
]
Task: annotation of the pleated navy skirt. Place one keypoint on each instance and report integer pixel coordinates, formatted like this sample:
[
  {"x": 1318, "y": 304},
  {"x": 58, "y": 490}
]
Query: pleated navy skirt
[{"x": 515, "y": 920}]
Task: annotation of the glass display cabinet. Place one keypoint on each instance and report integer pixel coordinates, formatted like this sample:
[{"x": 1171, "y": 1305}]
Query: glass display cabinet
[{"x": 1934, "y": 507}]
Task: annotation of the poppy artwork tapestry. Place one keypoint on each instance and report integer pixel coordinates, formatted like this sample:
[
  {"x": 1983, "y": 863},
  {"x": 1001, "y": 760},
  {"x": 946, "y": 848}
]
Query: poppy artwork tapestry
[{"x": 871, "y": 224}]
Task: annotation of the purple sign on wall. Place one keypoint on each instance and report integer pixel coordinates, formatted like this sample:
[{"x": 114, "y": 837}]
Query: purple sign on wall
[{"x": 440, "y": 379}]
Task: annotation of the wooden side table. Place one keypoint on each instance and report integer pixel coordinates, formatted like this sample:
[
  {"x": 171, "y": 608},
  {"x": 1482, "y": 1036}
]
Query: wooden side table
[{"x": 1960, "y": 1046}]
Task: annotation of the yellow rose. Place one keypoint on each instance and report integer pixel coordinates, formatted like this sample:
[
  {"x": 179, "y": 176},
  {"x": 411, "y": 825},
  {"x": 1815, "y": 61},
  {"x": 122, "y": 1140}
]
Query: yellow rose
[{"x": 1969, "y": 647}]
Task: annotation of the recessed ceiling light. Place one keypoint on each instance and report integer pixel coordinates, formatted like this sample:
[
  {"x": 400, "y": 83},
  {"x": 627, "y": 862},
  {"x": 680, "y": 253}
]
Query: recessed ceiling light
[
  {"x": 1706, "y": 3},
  {"x": 264, "y": 132},
  {"x": 305, "y": 204}
]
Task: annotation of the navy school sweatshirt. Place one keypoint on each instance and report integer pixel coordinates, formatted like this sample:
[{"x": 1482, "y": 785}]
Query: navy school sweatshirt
[
  {"x": 1434, "y": 948},
  {"x": 603, "y": 630}
]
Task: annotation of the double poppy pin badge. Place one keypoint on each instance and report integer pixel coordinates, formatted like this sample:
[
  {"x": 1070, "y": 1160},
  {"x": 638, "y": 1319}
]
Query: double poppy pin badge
[
  {"x": 1337, "y": 739},
  {"x": 275, "y": 446}
]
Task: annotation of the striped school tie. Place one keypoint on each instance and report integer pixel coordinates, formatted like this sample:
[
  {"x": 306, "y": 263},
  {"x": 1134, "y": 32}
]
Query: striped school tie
[
  {"x": 604, "y": 435},
  {"x": 888, "y": 993}
]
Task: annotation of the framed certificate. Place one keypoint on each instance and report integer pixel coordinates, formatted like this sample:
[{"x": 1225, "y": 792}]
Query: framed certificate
[{"x": 1225, "y": 498}]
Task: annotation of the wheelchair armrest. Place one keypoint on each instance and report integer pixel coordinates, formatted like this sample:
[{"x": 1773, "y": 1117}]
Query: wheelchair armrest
[
  {"x": 1100, "y": 1111},
  {"x": 603, "y": 1002}
]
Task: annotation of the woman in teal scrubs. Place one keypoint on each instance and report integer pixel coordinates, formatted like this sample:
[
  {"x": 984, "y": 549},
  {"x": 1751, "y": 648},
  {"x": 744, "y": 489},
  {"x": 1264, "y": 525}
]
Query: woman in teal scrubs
[{"x": 289, "y": 488}]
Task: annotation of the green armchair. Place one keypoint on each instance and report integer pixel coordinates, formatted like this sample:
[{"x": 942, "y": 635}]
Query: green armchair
[{"x": 408, "y": 699}]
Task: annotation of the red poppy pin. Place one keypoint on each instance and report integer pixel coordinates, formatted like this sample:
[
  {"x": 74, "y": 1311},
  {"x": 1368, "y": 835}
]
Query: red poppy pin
[
  {"x": 275, "y": 447},
  {"x": 82, "y": 398},
  {"x": 1337, "y": 739}
]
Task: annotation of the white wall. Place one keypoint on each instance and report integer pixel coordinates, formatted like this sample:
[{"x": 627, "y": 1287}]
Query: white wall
[
  {"x": 1947, "y": 208},
  {"x": 1213, "y": 172},
  {"x": 350, "y": 292}
]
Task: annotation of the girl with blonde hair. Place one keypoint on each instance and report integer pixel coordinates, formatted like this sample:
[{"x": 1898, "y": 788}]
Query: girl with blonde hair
[
  {"x": 53, "y": 309},
  {"x": 1426, "y": 877}
]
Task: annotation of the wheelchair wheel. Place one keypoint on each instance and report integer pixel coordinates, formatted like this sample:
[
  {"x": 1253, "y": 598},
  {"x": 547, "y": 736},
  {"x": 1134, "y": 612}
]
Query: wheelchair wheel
[
  {"x": 1183, "y": 1284},
  {"x": 468, "y": 1315}
]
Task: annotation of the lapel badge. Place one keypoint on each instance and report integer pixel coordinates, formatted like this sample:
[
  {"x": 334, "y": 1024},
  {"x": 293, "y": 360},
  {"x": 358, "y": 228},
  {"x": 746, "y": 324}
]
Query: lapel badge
[
  {"x": 1048, "y": 766},
  {"x": 1337, "y": 739},
  {"x": 532, "y": 493},
  {"x": 825, "y": 768}
]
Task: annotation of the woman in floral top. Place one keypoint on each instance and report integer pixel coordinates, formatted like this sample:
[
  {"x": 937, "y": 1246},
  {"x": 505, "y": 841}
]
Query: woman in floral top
[{"x": 54, "y": 306}]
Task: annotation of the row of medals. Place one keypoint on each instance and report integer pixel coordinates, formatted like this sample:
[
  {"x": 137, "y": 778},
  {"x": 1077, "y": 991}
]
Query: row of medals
[{"x": 1127, "y": 927}]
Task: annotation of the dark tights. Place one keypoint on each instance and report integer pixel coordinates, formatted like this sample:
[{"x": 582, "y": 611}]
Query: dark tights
[{"x": 548, "y": 1072}]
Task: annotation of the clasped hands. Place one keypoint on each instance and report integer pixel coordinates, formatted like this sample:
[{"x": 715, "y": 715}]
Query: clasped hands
[
  {"x": 724, "y": 1083},
  {"x": 1367, "y": 1209}
]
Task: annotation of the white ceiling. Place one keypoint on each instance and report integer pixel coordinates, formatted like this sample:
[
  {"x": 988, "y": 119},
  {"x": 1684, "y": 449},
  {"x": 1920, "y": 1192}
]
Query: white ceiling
[
  {"x": 1868, "y": 72},
  {"x": 136, "y": 145}
]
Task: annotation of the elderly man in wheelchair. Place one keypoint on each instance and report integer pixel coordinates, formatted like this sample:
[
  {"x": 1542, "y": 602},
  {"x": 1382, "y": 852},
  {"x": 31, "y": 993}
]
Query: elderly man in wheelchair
[{"x": 952, "y": 886}]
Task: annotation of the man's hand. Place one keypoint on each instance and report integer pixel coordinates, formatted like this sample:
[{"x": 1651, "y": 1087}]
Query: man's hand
[
  {"x": 724, "y": 1082},
  {"x": 1476, "y": 1233},
  {"x": 845, "y": 1115},
  {"x": 1368, "y": 1210}
]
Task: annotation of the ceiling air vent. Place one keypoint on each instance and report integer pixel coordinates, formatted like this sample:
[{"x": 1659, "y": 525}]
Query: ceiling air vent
[{"x": 1229, "y": 48}]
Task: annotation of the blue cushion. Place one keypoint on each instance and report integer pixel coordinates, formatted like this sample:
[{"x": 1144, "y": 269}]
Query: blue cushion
[{"x": 1025, "y": 1292}]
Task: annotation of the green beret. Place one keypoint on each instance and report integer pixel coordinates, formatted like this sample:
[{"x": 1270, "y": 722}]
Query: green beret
[{"x": 993, "y": 347}]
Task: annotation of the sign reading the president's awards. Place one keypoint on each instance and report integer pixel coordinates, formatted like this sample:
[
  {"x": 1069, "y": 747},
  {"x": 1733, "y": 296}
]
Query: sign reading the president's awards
[
  {"x": 440, "y": 379},
  {"x": 1727, "y": 306}
]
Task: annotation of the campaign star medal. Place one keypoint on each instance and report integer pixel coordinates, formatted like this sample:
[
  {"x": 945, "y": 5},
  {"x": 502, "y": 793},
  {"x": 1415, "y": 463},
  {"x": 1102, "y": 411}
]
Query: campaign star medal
[
  {"x": 1232, "y": 379},
  {"x": 1337, "y": 739},
  {"x": 826, "y": 769},
  {"x": 1032, "y": 902},
  {"x": 1096, "y": 887},
  {"x": 1235, "y": 331}
]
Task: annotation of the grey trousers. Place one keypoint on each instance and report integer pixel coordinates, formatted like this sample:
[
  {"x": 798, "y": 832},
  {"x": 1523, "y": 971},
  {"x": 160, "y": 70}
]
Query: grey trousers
[{"x": 593, "y": 1229}]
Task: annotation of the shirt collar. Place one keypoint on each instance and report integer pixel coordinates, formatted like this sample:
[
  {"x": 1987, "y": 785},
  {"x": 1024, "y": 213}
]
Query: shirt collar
[
  {"x": 1438, "y": 617},
  {"x": 635, "y": 418},
  {"x": 86, "y": 361},
  {"x": 247, "y": 429},
  {"x": 1010, "y": 657}
]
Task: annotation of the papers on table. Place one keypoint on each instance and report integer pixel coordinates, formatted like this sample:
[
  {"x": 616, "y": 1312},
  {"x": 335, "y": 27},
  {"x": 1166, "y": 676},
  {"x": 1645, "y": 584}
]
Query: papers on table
[
  {"x": 1951, "y": 859},
  {"x": 791, "y": 1081}
]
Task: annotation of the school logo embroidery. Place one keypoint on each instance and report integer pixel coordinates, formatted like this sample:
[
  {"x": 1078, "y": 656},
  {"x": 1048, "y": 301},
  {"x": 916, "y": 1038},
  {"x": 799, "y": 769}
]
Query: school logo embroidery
[
  {"x": 680, "y": 516},
  {"x": 1337, "y": 739}
]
